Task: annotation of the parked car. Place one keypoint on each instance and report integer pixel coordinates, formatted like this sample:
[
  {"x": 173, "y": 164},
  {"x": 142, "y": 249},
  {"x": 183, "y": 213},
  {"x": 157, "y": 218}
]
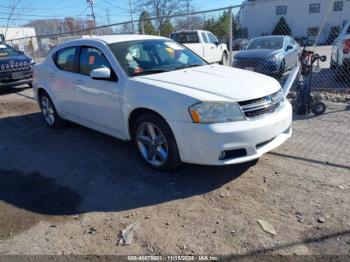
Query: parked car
[
  {"x": 204, "y": 44},
  {"x": 239, "y": 43},
  {"x": 15, "y": 67},
  {"x": 270, "y": 55},
  {"x": 171, "y": 103},
  {"x": 340, "y": 61}
]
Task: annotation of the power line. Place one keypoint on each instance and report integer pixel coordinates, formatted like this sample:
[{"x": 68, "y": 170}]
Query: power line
[
  {"x": 66, "y": 7},
  {"x": 91, "y": 3}
]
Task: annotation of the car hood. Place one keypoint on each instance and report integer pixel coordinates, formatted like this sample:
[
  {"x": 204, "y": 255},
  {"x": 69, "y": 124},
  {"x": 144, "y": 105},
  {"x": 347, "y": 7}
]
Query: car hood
[
  {"x": 256, "y": 53},
  {"x": 14, "y": 59},
  {"x": 214, "y": 83}
]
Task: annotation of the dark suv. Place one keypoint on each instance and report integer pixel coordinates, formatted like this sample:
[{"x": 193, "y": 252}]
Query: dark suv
[{"x": 15, "y": 67}]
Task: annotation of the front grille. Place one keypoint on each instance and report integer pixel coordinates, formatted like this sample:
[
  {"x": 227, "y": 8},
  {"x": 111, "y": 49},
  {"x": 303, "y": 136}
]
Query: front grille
[
  {"x": 13, "y": 67},
  {"x": 249, "y": 62},
  {"x": 262, "y": 106}
]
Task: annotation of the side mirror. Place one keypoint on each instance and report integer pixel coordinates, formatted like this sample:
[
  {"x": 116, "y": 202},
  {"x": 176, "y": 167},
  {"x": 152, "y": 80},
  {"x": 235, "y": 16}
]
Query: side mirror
[
  {"x": 289, "y": 48},
  {"x": 101, "y": 74}
]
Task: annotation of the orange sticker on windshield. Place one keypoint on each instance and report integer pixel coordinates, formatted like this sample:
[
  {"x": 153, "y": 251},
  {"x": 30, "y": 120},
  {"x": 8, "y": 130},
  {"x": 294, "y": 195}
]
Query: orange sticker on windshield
[{"x": 91, "y": 60}]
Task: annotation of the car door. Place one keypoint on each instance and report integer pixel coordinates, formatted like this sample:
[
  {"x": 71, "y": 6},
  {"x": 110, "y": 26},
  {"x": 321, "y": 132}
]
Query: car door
[
  {"x": 214, "y": 52},
  {"x": 62, "y": 76},
  {"x": 98, "y": 100},
  {"x": 207, "y": 46}
]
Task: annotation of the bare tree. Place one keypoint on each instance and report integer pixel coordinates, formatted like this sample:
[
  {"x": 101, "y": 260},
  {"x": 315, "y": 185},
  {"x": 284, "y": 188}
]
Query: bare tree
[
  {"x": 12, "y": 16},
  {"x": 163, "y": 10}
]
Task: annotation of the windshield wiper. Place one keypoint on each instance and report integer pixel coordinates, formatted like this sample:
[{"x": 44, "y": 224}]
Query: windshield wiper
[
  {"x": 149, "y": 72},
  {"x": 187, "y": 66}
]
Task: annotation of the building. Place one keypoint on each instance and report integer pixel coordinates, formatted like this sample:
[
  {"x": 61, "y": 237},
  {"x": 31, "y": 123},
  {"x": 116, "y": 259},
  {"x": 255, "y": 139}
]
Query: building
[
  {"x": 313, "y": 19},
  {"x": 17, "y": 33}
]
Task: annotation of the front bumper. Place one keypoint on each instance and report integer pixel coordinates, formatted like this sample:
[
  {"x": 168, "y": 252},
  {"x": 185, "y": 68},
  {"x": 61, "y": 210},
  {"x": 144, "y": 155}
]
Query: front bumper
[
  {"x": 203, "y": 144},
  {"x": 7, "y": 80},
  {"x": 263, "y": 67}
]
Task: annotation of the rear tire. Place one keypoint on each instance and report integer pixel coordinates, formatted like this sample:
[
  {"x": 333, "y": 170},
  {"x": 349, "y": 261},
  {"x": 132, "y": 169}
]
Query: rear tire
[
  {"x": 49, "y": 112},
  {"x": 155, "y": 142}
]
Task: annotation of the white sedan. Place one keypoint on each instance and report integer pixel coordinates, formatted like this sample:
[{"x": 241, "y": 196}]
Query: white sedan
[{"x": 167, "y": 100}]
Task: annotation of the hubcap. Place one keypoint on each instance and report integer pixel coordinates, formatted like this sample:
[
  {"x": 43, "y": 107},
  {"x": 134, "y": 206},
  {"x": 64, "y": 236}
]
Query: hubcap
[
  {"x": 319, "y": 108},
  {"x": 152, "y": 144},
  {"x": 47, "y": 110}
]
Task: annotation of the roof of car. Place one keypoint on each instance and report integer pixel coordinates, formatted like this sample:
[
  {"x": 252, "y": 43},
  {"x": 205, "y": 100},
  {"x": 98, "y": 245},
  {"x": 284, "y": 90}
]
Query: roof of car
[{"x": 109, "y": 39}]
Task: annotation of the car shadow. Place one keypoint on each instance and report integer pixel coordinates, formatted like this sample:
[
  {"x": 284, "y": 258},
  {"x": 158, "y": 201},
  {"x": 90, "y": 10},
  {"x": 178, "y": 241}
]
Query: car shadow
[
  {"x": 12, "y": 90},
  {"x": 77, "y": 170}
]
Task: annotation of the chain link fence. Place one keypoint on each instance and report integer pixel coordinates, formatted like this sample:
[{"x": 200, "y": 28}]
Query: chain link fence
[{"x": 271, "y": 47}]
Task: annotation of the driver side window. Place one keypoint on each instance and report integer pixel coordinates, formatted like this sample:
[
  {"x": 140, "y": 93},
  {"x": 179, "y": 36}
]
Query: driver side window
[{"x": 90, "y": 59}]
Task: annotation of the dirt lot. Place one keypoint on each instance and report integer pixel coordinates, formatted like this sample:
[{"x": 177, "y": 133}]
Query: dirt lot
[{"x": 73, "y": 190}]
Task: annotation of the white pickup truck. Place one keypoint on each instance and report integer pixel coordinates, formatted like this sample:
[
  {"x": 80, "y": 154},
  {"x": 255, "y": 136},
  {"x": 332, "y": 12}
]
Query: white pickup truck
[
  {"x": 204, "y": 44},
  {"x": 340, "y": 62}
]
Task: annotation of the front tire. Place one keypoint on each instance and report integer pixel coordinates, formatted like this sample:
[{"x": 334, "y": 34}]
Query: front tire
[
  {"x": 49, "y": 112},
  {"x": 155, "y": 142}
]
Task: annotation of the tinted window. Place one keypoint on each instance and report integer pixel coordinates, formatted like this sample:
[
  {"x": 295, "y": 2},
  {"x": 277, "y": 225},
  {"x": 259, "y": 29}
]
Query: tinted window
[
  {"x": 185, "y": 38},
  {"x": 66, "y": 59},
  {"x": 266, "y": 43},
  {"x": 90, "y": 59},
  {"x": 153, "y": 56},
  {"x": 205, "y": 38},
  {"x": 212, "y": 38}
]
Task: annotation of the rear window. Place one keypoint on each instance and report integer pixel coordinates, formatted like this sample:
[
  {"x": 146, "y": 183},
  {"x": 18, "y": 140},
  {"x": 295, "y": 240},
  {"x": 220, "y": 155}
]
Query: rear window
[
  {"x": 185, "y": 38},
  {"x": 65, "y": 59}
]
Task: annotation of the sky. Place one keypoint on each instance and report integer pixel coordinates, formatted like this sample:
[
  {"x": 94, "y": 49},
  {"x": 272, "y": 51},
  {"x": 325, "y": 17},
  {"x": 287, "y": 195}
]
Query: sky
[{"x": 118, "y": 9}]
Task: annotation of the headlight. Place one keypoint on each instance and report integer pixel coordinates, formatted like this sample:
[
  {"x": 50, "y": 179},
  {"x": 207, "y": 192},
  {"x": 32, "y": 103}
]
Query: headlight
[
  {"x": 273, "y": 59},
  {"x": 216, "y": 112}
]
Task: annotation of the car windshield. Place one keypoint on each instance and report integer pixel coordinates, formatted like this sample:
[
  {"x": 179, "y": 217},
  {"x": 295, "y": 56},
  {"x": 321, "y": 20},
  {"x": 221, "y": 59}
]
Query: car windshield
[
  {"x": 266, "y": 43},
  {"x": 153, "y": 56},
  {"x": 185, "y": 38},
  {"x": 6, "y": 50}
]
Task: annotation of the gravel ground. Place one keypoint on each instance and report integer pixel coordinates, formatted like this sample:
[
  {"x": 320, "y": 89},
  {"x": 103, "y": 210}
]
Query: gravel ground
[{"x": 73, "y": 190}]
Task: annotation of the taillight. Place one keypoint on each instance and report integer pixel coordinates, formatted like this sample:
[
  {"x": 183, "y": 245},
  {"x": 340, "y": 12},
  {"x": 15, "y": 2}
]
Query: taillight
[{"x": 346, "y": 47}]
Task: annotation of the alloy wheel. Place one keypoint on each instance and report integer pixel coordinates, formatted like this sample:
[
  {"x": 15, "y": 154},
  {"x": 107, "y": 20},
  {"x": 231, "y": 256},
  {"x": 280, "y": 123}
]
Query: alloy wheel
[
  {"x": 47, "y": 110},
  {"x": 152, "y": 144}
]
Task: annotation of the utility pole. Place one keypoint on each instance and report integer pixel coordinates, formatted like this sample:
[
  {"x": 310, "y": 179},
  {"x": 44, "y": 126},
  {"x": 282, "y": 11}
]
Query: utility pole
[
  {"x": 188, "y": 12},
  {"x": 91, "y": 3},
  {"x": 230, "y": 36},
  {"x": 132, "y": 17}
]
